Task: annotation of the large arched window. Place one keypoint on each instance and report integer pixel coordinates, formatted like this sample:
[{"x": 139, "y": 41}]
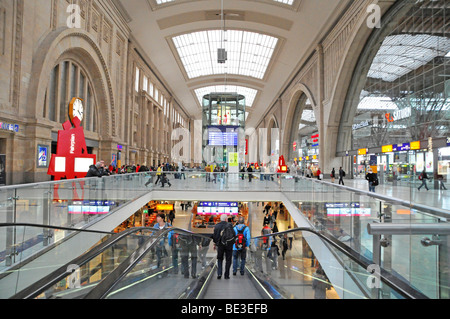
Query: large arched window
[
  {"x": 67, "y": 80},
  {"x": 400, "y": 92}
]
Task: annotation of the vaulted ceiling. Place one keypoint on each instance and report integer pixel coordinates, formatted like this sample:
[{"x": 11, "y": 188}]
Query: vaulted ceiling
[{"x": 266, "y": 41}]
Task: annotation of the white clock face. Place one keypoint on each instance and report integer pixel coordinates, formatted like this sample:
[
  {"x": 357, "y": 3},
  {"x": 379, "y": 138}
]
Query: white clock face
[{"x": 78, "y": 110}]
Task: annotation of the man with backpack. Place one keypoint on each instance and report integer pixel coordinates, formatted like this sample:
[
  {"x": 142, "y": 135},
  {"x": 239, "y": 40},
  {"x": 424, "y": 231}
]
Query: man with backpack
[
  {"x": 224, "y": 237},
  {"x": 423, "y": 177},
  {"x": 240, "y": 246}
]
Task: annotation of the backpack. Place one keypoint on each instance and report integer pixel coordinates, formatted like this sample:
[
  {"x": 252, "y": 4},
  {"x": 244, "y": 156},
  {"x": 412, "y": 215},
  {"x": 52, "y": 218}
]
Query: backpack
[
  {"x": 240, "y": 239},
  {"x": 343, "y": 173},
  {"x": 227, "y": 236},
  {"x": 175, "y": 241},
  {"x": 375, "y": 182},
  {"x": 265, "y": 242}
]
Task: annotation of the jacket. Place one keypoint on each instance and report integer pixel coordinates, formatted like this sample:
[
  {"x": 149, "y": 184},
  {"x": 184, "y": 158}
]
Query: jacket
[
  {"x": 163, "y": 239},
  {"x": 246, "y": 233},
  {"x": 93, "y": 171},
  {"x": 371, "y": 177},
  {"x": 217, "y": 229}
]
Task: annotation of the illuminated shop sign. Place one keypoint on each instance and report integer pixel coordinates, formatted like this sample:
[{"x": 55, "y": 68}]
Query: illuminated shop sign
[
  {"x": 398, "y": 115},
  {"x": 401, "y": 147},
  {"x": 387, "y": 148},
  {"x": 347, "y": 209},
  {"x": 164, "y": 207},
  {"x": 362, "y": 151},
  {"x": 9, "y": 127},
  {"x": 414, "y": 145},
  {"x": 361, "y": 125}
]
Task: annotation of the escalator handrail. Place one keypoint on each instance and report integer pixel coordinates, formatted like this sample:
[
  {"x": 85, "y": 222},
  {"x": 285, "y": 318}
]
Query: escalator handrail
[
  {"x": 102, "y": 289},
  {"x": 43, "y": 284},
  {"x": 55, "y": 227},
  {"x": 46, "y": 249},
  {"x": 105, "y": 286},
  {"x": 385, "y": 276}
]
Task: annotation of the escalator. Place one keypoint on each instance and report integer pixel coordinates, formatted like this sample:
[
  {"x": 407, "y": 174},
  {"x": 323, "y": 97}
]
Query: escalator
[{"x": 145, "y": 263}]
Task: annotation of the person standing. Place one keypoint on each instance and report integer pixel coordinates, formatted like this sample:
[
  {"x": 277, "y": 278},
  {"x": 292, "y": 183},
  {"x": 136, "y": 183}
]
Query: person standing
[
  {"x": 161, "y": 251},
  {"x": 240, "y": 246},
  {"x": 372, "y": 178},
  {"x": 333, "y": 175},
  {"x": 223, "y": 238},
  {"x": 290, "y": 236},
  {"x": 341, "y": 176},
  {"x": 440, "y": 179},
  {"x": 188, "y": 245},
  {"x": 250, "y": 170}
]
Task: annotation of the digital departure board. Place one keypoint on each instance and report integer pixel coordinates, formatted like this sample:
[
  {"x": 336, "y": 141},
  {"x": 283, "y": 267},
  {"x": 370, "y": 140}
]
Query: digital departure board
[
  {"x": 223, "y": 135},
  {"x": 217, "y": 208}
]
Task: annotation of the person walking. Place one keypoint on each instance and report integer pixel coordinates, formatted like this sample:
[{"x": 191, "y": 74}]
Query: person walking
[
  {"x": 158, "y": 173},
  {"x": 333, "y": 175},
  {"x": 223, "y": 238},
  {"x": 423, "y": 177},
  {"x": 240, "y": 246},
  {"x": 341, "y": 176},
  {"x": 372, "y": 178}
]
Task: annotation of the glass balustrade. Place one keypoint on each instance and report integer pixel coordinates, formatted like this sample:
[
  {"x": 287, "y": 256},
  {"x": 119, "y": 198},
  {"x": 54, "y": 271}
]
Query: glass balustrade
[{"x": 341, "y": 211}]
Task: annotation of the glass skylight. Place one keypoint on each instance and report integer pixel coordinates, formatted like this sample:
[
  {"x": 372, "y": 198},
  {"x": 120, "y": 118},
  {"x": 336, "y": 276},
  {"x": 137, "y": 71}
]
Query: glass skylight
[
  {"x": 377, "y": 103},
  {"x": 249, "y": 93},
  {"x": 249, "y": 53},
  {"x": 288, "y": 2},
  {"x": 163, "y": 1},
  {"x": 403, "y": 53}
]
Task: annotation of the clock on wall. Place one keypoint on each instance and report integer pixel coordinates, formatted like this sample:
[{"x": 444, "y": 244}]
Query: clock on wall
[{"x": 76, "y": 108}]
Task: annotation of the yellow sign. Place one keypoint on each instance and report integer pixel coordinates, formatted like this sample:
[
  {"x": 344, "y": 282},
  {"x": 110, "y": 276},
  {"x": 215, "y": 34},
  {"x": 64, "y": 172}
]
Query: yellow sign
[
  {"x": 164, "y": 207},
  {"x": 386, "y": 148},
  {"x": 362, "y": 151},
  {"x": 414, "y": 145},
  {"x": 233, "y": 159}
]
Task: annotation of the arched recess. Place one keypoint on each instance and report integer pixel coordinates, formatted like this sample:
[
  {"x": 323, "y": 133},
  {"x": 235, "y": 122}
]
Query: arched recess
[
  {"x": 82, "y": 47},
  {"x": 297, "y": 91},
  {"x": 273, "y": 150}
]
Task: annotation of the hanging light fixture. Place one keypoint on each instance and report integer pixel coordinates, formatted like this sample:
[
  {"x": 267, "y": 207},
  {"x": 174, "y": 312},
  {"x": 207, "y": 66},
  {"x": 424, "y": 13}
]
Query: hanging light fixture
[{"x": 221, "y": 52}]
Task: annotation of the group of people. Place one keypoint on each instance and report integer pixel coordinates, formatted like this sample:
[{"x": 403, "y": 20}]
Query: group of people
[{"x": 183, "y": 245}]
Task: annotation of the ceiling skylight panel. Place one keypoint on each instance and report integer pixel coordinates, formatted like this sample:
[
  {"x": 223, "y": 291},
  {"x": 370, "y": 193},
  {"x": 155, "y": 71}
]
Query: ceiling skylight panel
[
  {"x": 288, "y": 2},
  {"x": 248, "y": 53}
]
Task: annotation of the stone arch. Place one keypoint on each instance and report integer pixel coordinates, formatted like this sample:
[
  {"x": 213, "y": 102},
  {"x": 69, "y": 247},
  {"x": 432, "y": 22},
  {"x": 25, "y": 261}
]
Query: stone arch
[
  {"x": 297, "y": 91},
  {"x": 81, "y": 47},
  {"x": 347, "y": 79}
]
